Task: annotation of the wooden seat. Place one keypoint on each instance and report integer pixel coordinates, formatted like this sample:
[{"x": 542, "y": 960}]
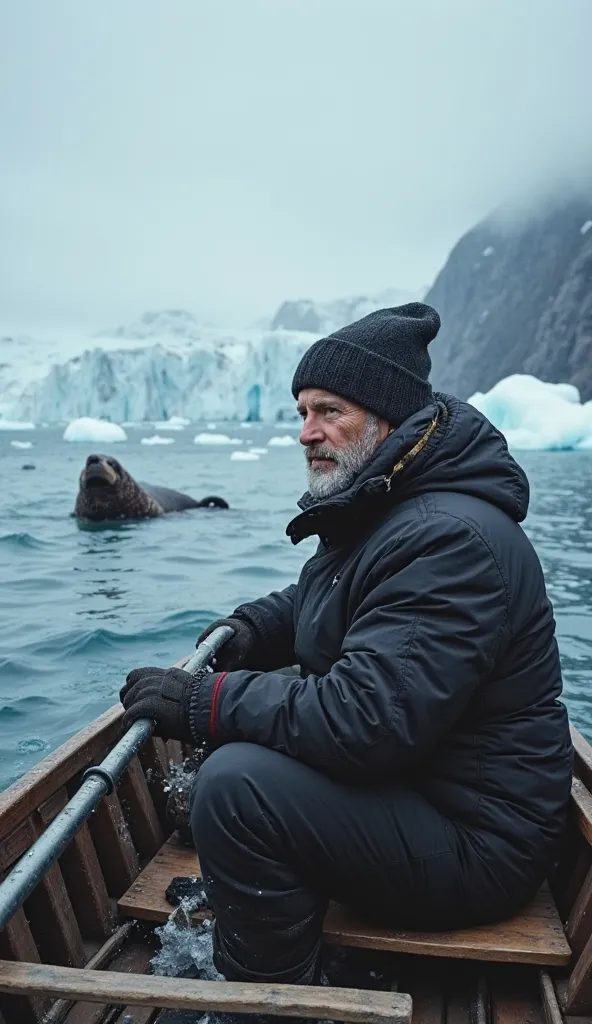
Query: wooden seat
[{"x": 535, "y": 936}]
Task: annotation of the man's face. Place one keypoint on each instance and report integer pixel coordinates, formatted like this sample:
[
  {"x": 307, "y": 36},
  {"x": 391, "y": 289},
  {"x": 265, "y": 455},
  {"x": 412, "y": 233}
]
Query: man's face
[{"x": 340, "y": 438}]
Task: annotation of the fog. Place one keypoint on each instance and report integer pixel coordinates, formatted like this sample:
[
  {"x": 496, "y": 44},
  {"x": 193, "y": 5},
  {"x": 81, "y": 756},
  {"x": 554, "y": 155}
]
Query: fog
[{"x": 224, "y": 155}]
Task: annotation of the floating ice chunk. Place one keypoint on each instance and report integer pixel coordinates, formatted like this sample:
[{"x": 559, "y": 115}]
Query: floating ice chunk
[
  {"x": 174, "y": 423},
  {"x": 258, "y": 451},
  {"x": 244, "y": 457},
  {"x": 16, "y": 425},
  {"x": 535, "y": 415},
  {"x": 585, "y": 227},
  {"x": 488, "y": 251},
  {"x": 216, "y": 439},
  {"x": 211, "y": 426},
  {"x": 22, "y": 444},
  {"x": 88, "y": 429},
  {"x": 282, "y": 442},
  {"x": 157, "y": 439}
]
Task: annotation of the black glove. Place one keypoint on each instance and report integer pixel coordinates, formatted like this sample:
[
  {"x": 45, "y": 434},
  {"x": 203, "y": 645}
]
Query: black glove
[
  {"x": 239, "y": 650},
  {"x": 162, "y": 694}
]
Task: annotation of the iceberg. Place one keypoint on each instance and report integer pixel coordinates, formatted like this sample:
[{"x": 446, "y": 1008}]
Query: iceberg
[
  {"x": 534, "y": 415},
  {"x": 175, "y": 423},
  {"x": 216, "y": 439},
  {"x": 88, "y": 429},
  {"x": 157, "y": 439},
  {"x": 284, "y": 441},
  {"x": 22, "y": 444},
  {"x": 258, "y": 451},
  {"x": 16, "y": 425},
  {"x": 244, "y": 457}
]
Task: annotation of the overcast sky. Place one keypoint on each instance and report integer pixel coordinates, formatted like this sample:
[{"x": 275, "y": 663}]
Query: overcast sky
[{"x": 222, "y": 155}]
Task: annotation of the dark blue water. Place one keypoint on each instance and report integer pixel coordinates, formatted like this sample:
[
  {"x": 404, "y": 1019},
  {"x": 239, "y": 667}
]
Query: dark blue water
[{"x": 80, "y": 607}]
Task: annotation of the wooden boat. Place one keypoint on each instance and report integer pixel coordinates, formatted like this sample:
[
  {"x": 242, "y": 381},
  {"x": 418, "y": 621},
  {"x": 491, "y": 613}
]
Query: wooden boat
[{"x": 79, "y": 949}]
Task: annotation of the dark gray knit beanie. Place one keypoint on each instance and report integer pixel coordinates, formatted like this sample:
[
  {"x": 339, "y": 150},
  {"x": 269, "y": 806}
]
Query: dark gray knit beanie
[{"x": 381, "y": 361}]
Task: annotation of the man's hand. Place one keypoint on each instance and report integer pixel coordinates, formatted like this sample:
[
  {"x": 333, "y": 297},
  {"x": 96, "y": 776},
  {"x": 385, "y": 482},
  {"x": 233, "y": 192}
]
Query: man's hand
[
  {"x": 236, "y": 652},
  {"x": 162, "y": 694}
]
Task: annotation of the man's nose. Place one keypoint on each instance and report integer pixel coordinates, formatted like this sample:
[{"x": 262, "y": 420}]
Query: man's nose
[{"x": 311, "y": 432}]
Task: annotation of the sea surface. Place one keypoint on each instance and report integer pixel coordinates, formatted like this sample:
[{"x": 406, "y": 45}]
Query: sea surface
[{"x": 81, "y": 605}]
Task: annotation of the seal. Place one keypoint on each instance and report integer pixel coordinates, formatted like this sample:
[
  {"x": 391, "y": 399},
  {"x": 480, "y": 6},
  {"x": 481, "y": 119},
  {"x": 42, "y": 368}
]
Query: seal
[{"x": 108, "y": 492}]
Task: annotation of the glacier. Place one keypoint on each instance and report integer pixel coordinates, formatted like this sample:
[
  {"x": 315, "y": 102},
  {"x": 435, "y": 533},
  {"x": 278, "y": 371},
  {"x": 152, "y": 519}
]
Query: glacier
[
  {"x": 534, "y": 415},
  {"x": 169, "y": 366}
]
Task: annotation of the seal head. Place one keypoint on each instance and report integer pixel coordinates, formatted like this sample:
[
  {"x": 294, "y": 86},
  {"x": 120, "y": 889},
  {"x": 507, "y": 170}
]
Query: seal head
[{"x": 107, "y": 491}]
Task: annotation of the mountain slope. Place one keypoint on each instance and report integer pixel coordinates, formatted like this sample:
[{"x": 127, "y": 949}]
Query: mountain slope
[{"x": 517, "y": 300}]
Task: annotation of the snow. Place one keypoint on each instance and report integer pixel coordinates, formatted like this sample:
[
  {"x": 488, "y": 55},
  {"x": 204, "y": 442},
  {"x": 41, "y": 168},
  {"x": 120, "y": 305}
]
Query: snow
[
  {"x": 585, "y": 227},
  {"x": 244, "y": 457},
  {"x": 22, "y": 444},
  {"x": 157, "y": 439},
  {"x": 535, "y": 415},
  {"x": 16, "y": 425},
  {"x": 216, "y": 439},
  {"x": 282, "y": 442},
  {"x": 88, "y": 429}
]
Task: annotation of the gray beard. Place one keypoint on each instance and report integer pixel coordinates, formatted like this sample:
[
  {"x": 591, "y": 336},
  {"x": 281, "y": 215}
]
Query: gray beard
[{"x": 349, "y": 462}]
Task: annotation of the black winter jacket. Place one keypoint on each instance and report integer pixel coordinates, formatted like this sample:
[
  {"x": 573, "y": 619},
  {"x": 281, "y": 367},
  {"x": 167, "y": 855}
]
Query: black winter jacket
[{"x": 426, "y": 644}]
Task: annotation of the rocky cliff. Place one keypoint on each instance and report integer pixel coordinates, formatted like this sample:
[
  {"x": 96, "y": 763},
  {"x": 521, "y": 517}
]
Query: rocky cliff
[{"x": 517, "y": 299}]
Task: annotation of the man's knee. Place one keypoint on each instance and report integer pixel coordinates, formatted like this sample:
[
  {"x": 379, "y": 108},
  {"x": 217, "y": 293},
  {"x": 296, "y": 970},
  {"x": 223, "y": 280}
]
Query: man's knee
[{"x": 229, "y": 784}]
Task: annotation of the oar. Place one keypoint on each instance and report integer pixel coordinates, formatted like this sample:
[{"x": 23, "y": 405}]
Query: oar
[{"x": 98, "y": 781}]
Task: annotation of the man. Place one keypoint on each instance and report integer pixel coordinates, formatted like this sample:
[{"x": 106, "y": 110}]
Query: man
[{"x": 419, "y": 765}]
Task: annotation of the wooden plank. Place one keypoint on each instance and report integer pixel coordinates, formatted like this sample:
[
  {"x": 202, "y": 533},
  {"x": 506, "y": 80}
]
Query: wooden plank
[
  {"x": 350, "y": 1005},
  {"x": 15, "y": 844},
  {"x": 53, "y": 921},
  {"x": 582, "y": 757},
  {"x": 579, "y": 923},
  {"x": 145, "y": 898},
  {"x": 86, "y": 885},
  {"x": 102, "y": 957},
  {"x": 114, "y": 845},
  {"x": 153, "y": 759},
  {"x": 581, "y": 801},
  {"x": 534, "y": 936},
  {"x": 551, "y": 1011},
  {"x": 514, "y": 995},
  {"x": 174, "y": 751},
  {"x": 579, "y": 988},
  {"x": 140, "y": 812},
  {"x": 55, "y": 770},
  {"x": 17, "y": 943},
  {"x": 134, "y": 960}
]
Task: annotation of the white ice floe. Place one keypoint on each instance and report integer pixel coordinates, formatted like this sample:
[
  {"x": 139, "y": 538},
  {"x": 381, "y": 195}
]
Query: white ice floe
[
  {"x": 16, "y": 425},
  {"x": 282, "y": 442},
  {"x": 174, "y": 423},
  {"x": 216, "y": 439},
  {"x": 157, "y": 439},
  {"x": 22, "y": 444},
  {"x": 586, "y": 227},
  {"x": 244, "y": 457},
  {"x": 88, "y": 429},
  {"x": 258, "y": 451},
  {"x": 535, "y": 415}
]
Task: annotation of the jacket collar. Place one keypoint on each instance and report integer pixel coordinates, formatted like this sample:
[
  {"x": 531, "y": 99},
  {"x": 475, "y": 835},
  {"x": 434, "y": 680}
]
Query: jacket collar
[{"x": 410, "y": 443}]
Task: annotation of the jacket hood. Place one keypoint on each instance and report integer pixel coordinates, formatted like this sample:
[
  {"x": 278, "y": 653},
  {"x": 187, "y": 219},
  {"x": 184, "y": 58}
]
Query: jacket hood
[{"x": 447, "y": 446}]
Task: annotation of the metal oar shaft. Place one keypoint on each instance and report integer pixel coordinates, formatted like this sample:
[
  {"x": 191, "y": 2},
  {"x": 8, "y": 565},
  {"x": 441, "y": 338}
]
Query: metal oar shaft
[{"x": 97, "y": 782}]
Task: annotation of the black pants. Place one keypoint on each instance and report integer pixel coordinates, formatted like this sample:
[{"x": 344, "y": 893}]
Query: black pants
[{"x": 277, "y": 840}]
